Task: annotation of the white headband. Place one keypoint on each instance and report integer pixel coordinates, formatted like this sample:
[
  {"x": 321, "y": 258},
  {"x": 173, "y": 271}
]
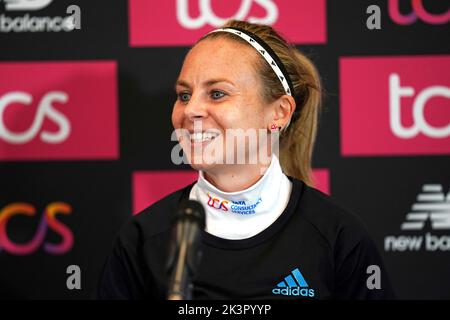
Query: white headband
[{"x": 263, "y": 51}]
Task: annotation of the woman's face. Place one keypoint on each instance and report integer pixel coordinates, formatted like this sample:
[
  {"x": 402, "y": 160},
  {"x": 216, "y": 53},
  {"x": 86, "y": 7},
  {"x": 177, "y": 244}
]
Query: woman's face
[{"x": 219, "y": 89}]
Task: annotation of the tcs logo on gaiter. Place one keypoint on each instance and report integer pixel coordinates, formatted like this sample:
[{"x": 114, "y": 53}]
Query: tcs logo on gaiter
[{"x": 217, "y": 203}]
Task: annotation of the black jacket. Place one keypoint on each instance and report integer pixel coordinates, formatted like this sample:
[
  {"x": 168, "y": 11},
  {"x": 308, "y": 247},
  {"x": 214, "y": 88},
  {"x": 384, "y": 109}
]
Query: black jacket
[{"x": 314, "y": 250}]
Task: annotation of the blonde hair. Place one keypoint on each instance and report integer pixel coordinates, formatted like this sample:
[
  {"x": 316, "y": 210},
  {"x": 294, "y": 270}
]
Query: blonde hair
[{"x": 297, "y": 142}]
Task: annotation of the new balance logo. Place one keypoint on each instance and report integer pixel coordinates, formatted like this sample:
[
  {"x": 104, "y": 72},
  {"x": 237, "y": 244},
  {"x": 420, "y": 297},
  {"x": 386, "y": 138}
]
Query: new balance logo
[
  {"x": 27, "y": 23},
  {"x": 294, "y": 285},
  {"x": 431, "y": 204},
  {"x": 22, "y": 5}
]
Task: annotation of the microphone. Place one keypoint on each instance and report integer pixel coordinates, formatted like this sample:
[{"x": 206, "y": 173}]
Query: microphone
[{"x": 185, "y": 254}]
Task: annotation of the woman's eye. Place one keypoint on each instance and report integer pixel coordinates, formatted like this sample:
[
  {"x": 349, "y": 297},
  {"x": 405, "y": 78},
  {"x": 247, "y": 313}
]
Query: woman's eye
[
  {"x": 183, "y": 96},
  {"x": 217, "y": 94}
]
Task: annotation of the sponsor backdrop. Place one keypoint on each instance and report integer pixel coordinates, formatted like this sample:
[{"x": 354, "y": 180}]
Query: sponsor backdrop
[{"x": 86, "y": 92}]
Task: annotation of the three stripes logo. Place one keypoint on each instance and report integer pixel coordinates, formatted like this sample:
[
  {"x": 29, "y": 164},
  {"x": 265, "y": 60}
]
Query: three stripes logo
[
  {"x": 432, "y": 204},
  {"x": 294, "y": 285}
]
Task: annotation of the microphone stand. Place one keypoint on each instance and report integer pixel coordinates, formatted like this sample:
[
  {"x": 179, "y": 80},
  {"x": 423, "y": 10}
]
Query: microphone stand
[{"x": 185, "y": 254}]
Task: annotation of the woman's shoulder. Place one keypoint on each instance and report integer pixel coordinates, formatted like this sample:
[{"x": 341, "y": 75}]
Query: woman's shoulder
[
  {"x": 328, "y": 216},
  {"x": 351, "y": 246}
]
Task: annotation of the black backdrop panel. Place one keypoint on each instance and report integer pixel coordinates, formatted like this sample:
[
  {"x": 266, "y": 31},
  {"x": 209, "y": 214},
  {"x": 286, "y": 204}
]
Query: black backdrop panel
[{"x": 380, "y": 189}]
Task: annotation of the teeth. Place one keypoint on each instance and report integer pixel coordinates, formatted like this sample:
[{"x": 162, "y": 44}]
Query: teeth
[{"x": 203, "y": 136}]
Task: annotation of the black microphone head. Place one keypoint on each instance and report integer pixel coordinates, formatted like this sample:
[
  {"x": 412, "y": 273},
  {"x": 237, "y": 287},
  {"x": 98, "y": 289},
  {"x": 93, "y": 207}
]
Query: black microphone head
[
  {"x": 192, "y": 210},
  {"x": 185, "y": 251}
]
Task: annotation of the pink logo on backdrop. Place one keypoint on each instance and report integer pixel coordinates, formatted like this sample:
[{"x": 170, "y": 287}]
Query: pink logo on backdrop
[
  {"x": 151, "y": 186},
  {"x": 182, "y": 22},
  {"x": 58, "y": 110},
  {"x": 395, "y": 105},
  {"x": 418, "y": 11},
  {"x": 321, "y": 179}
]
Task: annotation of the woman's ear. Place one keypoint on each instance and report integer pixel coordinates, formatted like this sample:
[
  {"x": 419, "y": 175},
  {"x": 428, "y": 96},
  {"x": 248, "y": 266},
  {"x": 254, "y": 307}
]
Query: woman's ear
[{"x": 284, "y": 107}]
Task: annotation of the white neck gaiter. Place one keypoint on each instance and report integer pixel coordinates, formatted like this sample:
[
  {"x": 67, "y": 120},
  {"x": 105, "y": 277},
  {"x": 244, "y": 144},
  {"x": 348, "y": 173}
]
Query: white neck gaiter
[{"x": 243, "y": 214}]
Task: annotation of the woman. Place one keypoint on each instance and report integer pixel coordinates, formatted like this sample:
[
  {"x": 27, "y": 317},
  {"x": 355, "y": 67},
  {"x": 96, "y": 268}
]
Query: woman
[{"x": 269, "y": 234}]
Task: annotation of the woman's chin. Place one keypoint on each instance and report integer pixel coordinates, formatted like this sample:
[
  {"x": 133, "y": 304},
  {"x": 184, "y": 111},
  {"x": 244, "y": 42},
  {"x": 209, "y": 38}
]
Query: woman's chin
[
  {"x": 197, "y": 165},
  {"x": 204, "y": 163}
]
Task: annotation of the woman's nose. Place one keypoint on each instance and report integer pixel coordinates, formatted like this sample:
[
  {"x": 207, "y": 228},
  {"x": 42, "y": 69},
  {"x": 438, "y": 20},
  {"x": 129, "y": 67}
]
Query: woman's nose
[{"x": 195, "y": 109}]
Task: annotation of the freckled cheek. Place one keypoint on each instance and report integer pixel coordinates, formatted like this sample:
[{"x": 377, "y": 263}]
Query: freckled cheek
[
  {"x": 226, "y": 119},
  {"x": 243, "y": 118}
]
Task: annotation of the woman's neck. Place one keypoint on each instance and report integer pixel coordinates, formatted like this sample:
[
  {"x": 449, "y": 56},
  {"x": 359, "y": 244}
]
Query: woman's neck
[{"x": 245, "y": 202}]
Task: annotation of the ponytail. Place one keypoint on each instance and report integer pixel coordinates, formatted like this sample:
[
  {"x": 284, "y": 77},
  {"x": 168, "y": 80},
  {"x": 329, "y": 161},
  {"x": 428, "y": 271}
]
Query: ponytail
[{"x": 297, "y": 143}]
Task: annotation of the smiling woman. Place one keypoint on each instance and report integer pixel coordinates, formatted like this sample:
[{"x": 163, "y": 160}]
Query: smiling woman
[
  {"x": 269, "y": 233},
  {"x": 225, "y": 84}
]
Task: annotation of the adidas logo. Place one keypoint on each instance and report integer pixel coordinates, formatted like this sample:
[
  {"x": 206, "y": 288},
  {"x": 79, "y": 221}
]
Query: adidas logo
[
  {"x": 294, "y": 285},
  {"x": 431, "y": 204}
]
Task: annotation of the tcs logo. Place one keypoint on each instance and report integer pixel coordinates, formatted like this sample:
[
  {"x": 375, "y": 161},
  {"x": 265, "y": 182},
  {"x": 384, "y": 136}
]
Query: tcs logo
[
  {"x": 183, "y": 22},
  {"x": 420, "y": 125},
  {"x": 395, "y": 105},
  {"x": 48, "y": 220},
  {"x": 207, "y": 16},
  {"x": 45, "y": 109},
  {"x": 217, "y": 203},
  {"x": 58, "y": 110},
  {"x": 419, "y": 11}
]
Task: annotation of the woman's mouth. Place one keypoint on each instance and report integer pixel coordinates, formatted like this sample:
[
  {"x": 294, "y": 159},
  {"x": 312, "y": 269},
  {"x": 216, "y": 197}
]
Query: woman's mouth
[{"x": 203, "y": 137}]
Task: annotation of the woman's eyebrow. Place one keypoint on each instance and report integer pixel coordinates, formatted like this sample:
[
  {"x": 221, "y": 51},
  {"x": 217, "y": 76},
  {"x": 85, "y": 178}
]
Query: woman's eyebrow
[
  {"x": 214, "y": 81},
  {"x": 207, "y": 83},
  {"x": 182, "y": 83}
]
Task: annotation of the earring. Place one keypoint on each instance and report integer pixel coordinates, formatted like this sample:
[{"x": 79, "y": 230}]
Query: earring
[{"x": 274, "y": 127}]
